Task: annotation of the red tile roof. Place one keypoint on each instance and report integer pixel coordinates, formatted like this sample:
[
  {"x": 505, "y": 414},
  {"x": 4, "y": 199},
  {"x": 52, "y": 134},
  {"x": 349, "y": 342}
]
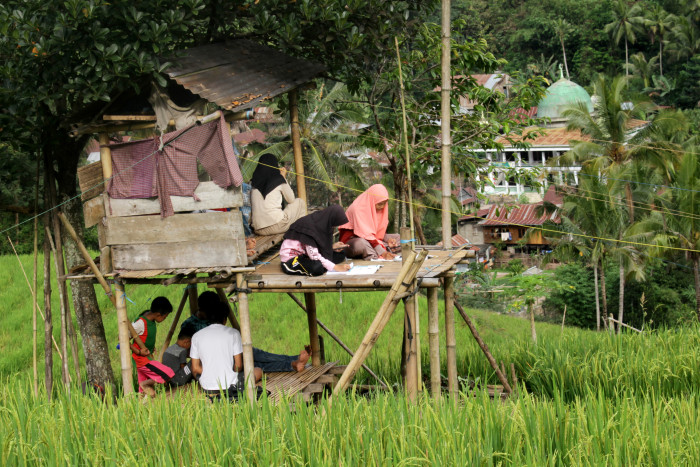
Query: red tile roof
[
  {"x": 522, "y": 214},
  {"x": 558, "y": 136},
  {"x": 554, "y": 196}
]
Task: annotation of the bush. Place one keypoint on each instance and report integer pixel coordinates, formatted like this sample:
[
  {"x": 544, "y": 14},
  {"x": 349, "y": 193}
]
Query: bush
[{"x": 577, "y": 293}]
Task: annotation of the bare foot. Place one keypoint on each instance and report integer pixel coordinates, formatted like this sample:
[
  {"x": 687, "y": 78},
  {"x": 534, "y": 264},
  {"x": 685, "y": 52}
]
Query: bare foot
[
  {"x": 250, "y": 243},
  {"x": 304, "y": 357},
  {"x": 147, "y": 387}
]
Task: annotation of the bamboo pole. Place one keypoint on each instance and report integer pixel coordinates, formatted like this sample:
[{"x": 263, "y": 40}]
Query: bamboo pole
[
  {"x": 106, "y": 156},
  {"x": 310, "y": 299},
  {"x": 409, "y": 342},
  {"x": 62, "y": 304},
  {"x": 625, "y": 325},
  {"x": 192, "y": 292},
  {"x": 409, "y": 188},
  {"x": 173, "y": 325},
  {"x": 98, "y": 275},
  {"x": 231, "y": 317},
  {"x": 434, "y": 343},
  {"x": 248, "y": 364},
  {"x": 416, "y": 338},
  {"x": 123, "y": 324},
  {"x": 296, "y": 144},
  {"x": 409, "y": 271},
  {"x": 485, "y": 348},
  {"x": 31, "y": 291},
  {"x": 337, "y": 339},
  {"x": 563, "y": 319},
  {"x": 48, "y": 323},
  {"x": 35, "y": 306},
  {"x": 446, "y": 136},
  {"x": 450, "y": 339}
]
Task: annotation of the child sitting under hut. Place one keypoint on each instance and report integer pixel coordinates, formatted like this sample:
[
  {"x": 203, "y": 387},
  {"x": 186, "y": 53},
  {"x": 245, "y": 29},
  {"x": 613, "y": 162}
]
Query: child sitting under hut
[{"x": 150, "y": 372}]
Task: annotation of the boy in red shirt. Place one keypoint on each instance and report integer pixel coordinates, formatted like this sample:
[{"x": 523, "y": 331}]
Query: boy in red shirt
[{"x": 150, "y": 371}]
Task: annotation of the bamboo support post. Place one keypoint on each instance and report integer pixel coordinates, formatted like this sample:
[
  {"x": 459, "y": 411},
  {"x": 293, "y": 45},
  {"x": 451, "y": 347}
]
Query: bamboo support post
[
  {"x": 98, "y": 275},
  {"x": 450, "y": 339},
  {"x": 296, "y": 144},
  {"x": 231, "y": 317},
  {"x": 484, "y": 348},
  {"x": 408, "y": 271},
  {"x": 192, "y": 293},
  {"x": 445, "y": 134},
  {"x": 310, "y": 299},
  {"x": 337, "y": 340},
  {"x": 48, "y": 323},
  {"x": 35, "y": 306},
  {"x": 248, "y": 364},
  {"x": 63, "y": 304},
  {"x": 434, "y": 343},
  {"x": 123, "y": 324},
  {"x": 409, "y": 342},
  {"x": 105, "y": 156},
  {"x": 173, "y": 326}
]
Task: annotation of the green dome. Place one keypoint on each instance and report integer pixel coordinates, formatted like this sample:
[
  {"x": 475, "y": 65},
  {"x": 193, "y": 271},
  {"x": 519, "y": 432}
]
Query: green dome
[{"x": 560, "y": 96}]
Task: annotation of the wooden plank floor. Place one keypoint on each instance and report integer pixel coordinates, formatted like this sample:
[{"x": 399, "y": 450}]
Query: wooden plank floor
[
  {"x": 292, "y": 382},
  {"x": 269, "y": 274}
]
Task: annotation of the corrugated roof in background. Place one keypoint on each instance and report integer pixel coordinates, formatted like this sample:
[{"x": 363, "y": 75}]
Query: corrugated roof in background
[
  {"x": 523, "y": 214},
  {"x": 240, "y": 74}
]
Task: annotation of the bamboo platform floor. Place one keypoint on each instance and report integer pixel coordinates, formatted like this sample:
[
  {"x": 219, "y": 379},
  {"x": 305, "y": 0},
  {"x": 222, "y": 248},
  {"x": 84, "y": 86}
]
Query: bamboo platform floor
[
  {"x": 290, "y": 383},
  {"x": 268, "y": 275}
]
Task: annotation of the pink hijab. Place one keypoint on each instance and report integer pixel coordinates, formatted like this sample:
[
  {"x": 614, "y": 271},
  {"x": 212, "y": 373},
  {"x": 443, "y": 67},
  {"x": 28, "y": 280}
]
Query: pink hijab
[{"x": 363, "y": 218}]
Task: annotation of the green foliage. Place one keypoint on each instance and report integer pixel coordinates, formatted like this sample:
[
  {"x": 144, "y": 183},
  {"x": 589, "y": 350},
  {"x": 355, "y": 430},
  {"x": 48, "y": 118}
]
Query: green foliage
[
  {"x": 515, "y": 267},
  {"x": 577, "y": 294}
]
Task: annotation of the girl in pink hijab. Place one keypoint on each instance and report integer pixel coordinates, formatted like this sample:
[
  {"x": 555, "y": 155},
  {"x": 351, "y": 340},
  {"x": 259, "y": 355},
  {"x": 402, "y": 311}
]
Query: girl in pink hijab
[{"x": 365, "y": 232}]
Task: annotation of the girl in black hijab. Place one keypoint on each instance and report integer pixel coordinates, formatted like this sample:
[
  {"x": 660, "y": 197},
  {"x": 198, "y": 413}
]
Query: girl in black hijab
[
  {"x": 270, "y": 189},
  {"x": 308, "y": 248}
]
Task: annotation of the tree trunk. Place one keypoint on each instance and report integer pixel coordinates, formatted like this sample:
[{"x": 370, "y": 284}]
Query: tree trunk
[
  {"x": 604, "y": 292},
  {"x": 597, "y": 297},
  {"x": 563, "y": 50},
  {"x": 661, "y": 51},
  {"x": 630, "y": 201},
  {"x": 627, "y": 61},
  {"x": 696, "y": 260},
  {"x": 97, "y": 363},
  {"x": 420, "y": 235},
  {"x": 621, "y": 310}
]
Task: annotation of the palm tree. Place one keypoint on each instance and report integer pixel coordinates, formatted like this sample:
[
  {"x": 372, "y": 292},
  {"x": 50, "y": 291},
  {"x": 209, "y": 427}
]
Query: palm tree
[
  {"x": 561, "y": 28},
  {"x": 659, "y": 22},
  {"x": 329, "y": 129},
  {"x": 643, "y": 68},
  {"x": 625, "y": 25},
  {"x": 677, "y": 223},
  {"x": 685, "y": 38}
]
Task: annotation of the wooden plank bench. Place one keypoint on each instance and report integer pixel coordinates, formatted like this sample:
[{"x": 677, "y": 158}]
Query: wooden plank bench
[{"x": 290, "y": 383}]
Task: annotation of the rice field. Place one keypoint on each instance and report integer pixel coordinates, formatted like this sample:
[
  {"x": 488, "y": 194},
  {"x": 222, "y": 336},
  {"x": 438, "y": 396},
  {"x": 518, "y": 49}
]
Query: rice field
[{"x": 586, "y": 398}]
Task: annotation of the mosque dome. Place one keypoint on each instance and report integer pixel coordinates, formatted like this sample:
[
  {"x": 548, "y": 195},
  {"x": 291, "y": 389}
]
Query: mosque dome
[{"x": 560, "y": 96}]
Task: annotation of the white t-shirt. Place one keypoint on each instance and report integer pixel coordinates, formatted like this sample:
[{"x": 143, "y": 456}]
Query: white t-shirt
[{"x": 216, "y": 346}]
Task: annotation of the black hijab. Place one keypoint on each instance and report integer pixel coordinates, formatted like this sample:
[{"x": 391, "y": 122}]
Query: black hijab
[
  {"x": 267, "y": 175},
  {"x": 316, "y": 229}
]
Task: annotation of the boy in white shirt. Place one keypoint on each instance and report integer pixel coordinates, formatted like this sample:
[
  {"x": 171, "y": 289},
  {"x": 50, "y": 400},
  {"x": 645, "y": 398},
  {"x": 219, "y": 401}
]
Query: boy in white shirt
[{"x": 217, "y": 355}]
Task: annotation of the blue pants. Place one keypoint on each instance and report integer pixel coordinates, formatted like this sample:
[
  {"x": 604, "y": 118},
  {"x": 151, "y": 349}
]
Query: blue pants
[{"x": 269, "y": 362}]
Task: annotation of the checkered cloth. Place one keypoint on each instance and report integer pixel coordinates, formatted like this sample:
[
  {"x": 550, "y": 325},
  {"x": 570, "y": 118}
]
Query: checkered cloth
[{"x": 142, "y": 171}]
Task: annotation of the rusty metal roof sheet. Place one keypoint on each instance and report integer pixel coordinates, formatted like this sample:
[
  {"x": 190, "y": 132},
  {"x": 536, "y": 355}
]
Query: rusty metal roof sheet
[
  {"x": 240, "y": 74},
  {"x": 523, "y": 214}
]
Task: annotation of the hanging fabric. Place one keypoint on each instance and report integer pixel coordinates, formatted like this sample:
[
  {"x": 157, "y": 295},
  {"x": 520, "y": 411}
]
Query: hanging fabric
[{"x": 142, "y": 170}]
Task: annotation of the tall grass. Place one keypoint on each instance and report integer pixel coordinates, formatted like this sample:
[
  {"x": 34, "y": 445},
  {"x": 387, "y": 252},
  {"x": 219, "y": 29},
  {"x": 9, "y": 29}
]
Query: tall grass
[{"x": 382, "y": 430}]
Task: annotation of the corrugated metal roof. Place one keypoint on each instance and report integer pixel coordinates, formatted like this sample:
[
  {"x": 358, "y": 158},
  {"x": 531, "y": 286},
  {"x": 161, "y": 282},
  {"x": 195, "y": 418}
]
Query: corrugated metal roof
[
  {"x": 522, "y": 214},
  {"x": 240, "y": 74}
]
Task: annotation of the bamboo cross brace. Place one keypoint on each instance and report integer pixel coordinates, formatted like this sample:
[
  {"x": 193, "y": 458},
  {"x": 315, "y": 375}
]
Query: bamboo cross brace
[
  {"x": 484, "y": 348},
  {"x": 408, "y": 272},
  {"x": 98, "y": 275},
  {"x": 36, "y": 304},
  {"x": 173, "y": 326},
  {"x": 337, "y": 339}
]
